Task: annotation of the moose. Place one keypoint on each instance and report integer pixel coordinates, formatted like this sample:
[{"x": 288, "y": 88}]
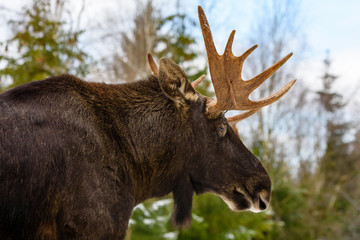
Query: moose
[{"x": 76, "y": 157}]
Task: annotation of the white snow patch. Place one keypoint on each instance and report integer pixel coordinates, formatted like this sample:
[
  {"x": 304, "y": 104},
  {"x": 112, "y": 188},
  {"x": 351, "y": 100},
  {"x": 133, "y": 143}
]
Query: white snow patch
[
  {"x": 143, "y": 209},
  {"x": 197, "y": 218},
  {"x": 170, "y": 235},
  {"x": 148, "y": 221},
  {"x": 156, "y": 205},
  {"x": 229, "y": 236}
]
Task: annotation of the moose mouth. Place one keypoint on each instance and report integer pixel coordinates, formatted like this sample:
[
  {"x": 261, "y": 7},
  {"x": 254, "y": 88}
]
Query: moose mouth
[
  {"x": 241, "y": 200},
  {"x": 238, "y": 199}
]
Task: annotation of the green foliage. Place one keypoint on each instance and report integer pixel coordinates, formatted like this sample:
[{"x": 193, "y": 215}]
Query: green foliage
[
  {"x": 212, "y": 219},
  {"x": 219, "y": 222},
  {"x": 151, "y": 220},
  {"x": 289, "y": 204},
  {"x": 288, "y": 199},
  {"x": 40, "y": 47},
  {"x": 177, "y": 39}
]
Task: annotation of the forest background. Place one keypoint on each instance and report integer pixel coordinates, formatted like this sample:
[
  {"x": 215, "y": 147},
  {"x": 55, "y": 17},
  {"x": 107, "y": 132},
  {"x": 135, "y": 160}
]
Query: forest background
[{"x": 309, "y": 141}]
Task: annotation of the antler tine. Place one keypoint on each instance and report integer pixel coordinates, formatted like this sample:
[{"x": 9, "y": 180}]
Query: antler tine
[
  {"x": 261, "y": 103},
  {"x": 205, "y": 28},
  {"x": 255, "y": 82},
  {"x": 228, "y": 48},
  {"x": 273, "y": 97},
  {"x": 195, "y": 83},
  {"x": 243, "y": 56},
  {"x": 152, "y": 64},
  {"x": 242, "y": 116}
]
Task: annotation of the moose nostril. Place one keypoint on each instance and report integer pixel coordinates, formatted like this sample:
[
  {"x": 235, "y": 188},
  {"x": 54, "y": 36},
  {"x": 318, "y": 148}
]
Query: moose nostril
[
  {"x": 262, "y": 204},
  {"x": 263, "y": 200}
]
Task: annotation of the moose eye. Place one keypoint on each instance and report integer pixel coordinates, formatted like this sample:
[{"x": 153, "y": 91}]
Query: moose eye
[{"x": 221, "y": 130}]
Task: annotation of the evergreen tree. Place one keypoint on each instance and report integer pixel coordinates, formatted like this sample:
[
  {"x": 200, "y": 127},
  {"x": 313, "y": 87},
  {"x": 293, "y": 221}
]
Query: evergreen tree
[
  {"x": 41, "y": 46},
  {"x": 336, "y": 168}
]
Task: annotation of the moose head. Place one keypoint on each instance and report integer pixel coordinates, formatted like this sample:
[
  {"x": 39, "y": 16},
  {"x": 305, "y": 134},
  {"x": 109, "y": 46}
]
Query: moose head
[{"x": 221, "y": 164}]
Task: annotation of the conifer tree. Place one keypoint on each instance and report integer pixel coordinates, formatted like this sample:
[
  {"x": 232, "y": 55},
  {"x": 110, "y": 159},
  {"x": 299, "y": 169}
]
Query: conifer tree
[
  {"x": 336, "y": 168},
  {"x": 42, "y": 45}
]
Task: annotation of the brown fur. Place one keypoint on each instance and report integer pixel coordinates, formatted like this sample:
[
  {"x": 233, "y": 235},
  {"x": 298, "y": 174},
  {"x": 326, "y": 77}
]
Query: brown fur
[{"x": 77, "y": 157}]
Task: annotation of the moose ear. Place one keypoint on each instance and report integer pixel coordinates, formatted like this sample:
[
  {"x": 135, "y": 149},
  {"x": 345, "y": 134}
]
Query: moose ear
[{"x": 174, "y": 83}]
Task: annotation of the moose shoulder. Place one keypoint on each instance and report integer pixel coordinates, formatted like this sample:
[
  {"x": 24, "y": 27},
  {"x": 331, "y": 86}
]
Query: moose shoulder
[{"x": 77, "y": 157}]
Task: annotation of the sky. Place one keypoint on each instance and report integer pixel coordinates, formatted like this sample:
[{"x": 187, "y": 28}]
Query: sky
[
  {"x": 334, "y": 26},
  {"x": 328, "y": 25}
]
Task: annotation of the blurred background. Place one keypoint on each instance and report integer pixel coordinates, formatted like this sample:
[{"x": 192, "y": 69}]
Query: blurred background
[{"x": 309, "y": 141}]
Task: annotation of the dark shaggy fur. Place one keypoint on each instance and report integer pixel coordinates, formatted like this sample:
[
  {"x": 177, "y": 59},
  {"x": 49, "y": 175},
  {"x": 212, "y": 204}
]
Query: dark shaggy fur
[{"x": 77, "y": 157}]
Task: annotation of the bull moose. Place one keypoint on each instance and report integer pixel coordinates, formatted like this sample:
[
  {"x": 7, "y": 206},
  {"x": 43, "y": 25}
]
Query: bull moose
[{"x": 77, "y": 157}]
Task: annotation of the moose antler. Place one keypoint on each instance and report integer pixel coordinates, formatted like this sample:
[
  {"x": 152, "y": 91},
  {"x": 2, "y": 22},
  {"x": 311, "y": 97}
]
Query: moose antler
[
  {"x": 232, "y": 92},
  {"x": 152, "y": 65}
]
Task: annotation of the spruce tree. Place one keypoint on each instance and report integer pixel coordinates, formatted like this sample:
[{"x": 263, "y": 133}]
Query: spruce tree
[{"x": 41, "y": 45}]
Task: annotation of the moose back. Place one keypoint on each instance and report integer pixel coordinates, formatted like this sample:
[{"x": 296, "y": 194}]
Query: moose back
[{"x": 77, "y": 157}]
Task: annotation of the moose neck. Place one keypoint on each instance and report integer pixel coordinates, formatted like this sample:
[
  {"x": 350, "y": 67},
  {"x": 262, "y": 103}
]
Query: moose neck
[{"x": 146, "y": 122}]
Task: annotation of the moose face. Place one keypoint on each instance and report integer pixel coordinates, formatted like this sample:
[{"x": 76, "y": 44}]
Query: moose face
[
  {"x": 225, "y": 167},
  {"x": 220, "y": 162}
]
